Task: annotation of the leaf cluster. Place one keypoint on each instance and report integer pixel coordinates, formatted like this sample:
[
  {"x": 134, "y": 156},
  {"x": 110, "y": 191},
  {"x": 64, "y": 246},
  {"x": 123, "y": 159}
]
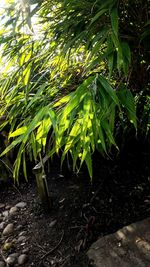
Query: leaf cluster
[{"x": 67, "y": 79}]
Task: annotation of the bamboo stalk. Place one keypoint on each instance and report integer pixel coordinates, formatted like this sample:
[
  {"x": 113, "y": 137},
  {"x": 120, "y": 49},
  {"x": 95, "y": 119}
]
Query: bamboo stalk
[{"x": 42, "y": 187}]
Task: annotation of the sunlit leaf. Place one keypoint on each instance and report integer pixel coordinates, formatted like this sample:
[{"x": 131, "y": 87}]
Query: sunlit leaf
[{"x": 19, "y": 131}]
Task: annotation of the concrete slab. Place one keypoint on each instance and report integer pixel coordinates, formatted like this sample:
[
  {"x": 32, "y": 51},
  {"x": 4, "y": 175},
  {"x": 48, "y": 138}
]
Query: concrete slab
[{"x": 128, "y": 247}]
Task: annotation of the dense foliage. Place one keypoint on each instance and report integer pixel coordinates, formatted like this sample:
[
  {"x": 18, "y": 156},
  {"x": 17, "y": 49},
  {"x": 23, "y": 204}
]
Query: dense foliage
[{"x": 73, "y": 73}]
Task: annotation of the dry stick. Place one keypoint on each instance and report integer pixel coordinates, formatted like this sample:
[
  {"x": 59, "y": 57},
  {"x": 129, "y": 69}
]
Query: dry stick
[
  {"x": 53, "y": 249},
  {"x": 17, "y": 189},
  {"x": 39, "y": 246}
]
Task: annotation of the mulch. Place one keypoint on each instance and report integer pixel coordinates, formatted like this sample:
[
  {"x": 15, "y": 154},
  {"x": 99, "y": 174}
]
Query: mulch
[{"x": 83, "y": 210}]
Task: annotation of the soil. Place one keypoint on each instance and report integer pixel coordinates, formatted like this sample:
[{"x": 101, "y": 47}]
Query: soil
[{"x": 82, "y": 210}]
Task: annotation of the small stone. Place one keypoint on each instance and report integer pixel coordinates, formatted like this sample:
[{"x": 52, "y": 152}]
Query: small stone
[
  {"x": 5, "y": 213},
  {"x": 25, "y": 251},
  {"x": 21, "y": 238},
  {"x": 61, "y": 175},
  {"x": 23, "y": 244},
  {"x": 21, "y": 205},
  {"x": 2, "y": 264},
  {"x": 14, "y": 240},
  {"x": 10, "y": 260},
  {"x": 23, "y": 233},
  {"x": 14, "y": 255},
  {"x": 7, "y": 207},
  {"x": 52, "y": 223},
  {"x": 8, "y": 229},
  {"x": 13, "y": 210},
  {"x": 22, "y": 259},
  {"x": 1, "y": 217},
  {"x": 2, "y": 225},
  {"x": 2, "y": 205},
  {"x": 19, "y": 227}
]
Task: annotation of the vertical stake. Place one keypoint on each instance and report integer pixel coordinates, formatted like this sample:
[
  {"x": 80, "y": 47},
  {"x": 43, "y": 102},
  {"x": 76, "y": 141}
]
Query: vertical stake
[{"x": 42, "y": 186}]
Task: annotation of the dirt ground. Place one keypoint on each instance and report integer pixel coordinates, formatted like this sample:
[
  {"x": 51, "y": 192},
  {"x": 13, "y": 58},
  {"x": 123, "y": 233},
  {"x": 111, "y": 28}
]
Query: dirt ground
[{"x": 82, "y": 211}]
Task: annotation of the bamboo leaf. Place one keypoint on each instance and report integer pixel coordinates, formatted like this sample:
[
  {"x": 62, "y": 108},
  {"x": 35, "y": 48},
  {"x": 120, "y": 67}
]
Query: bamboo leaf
[
  {"x": 109, "y": 133},
  {"x": 24, "y": 166},
  {"x": 111, "y": 92},
  {"x": 126, "y": 51},
  {"x": 88, "y": 161},
  {"x": 98, "y": 15},
  {"x": 114, "y": 20},
  {"x": 18, "y": 132},
  {"x": 127, "y": 100},
  {"x": 110, "y": 56}
]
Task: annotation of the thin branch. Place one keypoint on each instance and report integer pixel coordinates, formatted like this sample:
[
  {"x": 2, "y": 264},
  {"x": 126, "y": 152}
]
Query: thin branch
[{"x": 53, "y": 249}]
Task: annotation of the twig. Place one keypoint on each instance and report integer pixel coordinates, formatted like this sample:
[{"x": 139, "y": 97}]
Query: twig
[
  {"x": 53, "y": 249},
  {"x": 65, "y": 260},
  {"x": 15, "y": 187},
  {"x": 76, "y": 227},
  {"x": 39, "y": 246}
]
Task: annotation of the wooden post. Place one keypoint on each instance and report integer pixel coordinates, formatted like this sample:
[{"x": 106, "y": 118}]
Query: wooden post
[{"x": 42, "y": 187}]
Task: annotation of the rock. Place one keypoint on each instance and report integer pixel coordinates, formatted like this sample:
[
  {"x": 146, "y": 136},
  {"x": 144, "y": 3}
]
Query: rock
[
  {"x": 2, "y": 205},
  {"x": 7, "y": 207},
  {"x": 61, "y": 175},
  {"x": 25, "y": 251},
  {"x": 21, "y": 238},
  {"x": 14, "y": 255},
  {"x": 2, "y": 225},
  {"x": 23, "y": 233},
  {"x": 14, "y": 240},
  {"x": 52, "y": 223},
  {"x": 128, "y": 247},
  {"x": 1, "y": 219},
  {"x": 21, "y": 205},
  {"x": 2, "y": 264},
  {"x": 9, "y": 229},
  {"x": 13, "y": 210},
  {"x": 5, "y": 213},
  {"x": 19, "y": 227},
  {"x": 22, "y": 259},
  {"x": 23, "y": 244},
  {"x": 10, "y": 260}
]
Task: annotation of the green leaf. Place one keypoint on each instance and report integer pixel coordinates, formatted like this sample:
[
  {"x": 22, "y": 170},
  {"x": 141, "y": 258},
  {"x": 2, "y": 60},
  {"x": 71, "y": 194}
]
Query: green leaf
[
  {"x": 63, "y": 100},
  {"x": 111, "y": 92},
  {"x": 110, "y": 57},
  {"x": 109, "y": 133},
  {"x": 34, "y": 145},
  {"x": 88, "y": 161},
  {"x": 101, "y": 139},
  {"x": 18, "y": 162},
  {"x": 126, "y": 51},
  {"x": 127, "y": 100},
  {"x": 112, "y": 113},
  {"x": 18, "y": 132},
  {"x": 12, "y": 145},
  {"x": 26, "y": 74},
  {"x": 98, "y": 15},
  {"x": 73, "y": 136},
  {"x": 118, "y": 47},
  {"x": 114, "y": 20},
  {"x": 23, "y": 138},
  {"x": 24, "y": 166}
]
